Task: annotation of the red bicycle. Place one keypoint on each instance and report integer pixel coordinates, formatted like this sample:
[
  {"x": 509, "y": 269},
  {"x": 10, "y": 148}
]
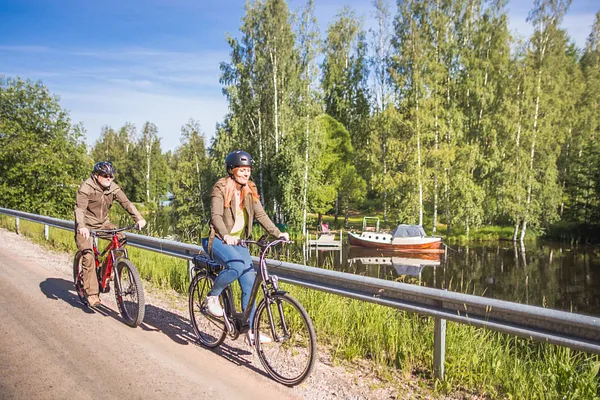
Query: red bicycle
[{"x": 129, "y": 291}]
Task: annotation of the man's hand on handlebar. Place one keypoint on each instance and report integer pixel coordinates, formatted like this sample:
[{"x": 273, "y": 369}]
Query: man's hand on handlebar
[
  {"x": 141, "y": 224},
  {"x": 85, "y": 232}
]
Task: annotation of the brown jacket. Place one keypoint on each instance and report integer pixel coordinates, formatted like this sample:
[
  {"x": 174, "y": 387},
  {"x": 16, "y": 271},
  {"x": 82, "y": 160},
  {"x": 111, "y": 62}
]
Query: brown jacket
[
  {"x": 222, "y": 219},
  {"x": 93, "y": 204}
]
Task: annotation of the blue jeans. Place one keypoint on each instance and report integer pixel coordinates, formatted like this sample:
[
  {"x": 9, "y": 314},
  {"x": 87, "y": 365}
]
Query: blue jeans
[{"x": 238, "y": 265}]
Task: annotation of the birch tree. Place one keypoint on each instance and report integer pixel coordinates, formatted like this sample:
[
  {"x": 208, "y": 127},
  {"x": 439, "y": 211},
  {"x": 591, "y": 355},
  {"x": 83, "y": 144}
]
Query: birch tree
[
  {"x": 192, "y": 183},
  {"x": 546, "y": 16}
]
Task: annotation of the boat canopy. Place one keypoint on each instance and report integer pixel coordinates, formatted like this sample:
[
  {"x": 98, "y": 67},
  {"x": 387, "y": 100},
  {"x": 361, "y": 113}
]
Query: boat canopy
[{"x": 404, "y": 230}]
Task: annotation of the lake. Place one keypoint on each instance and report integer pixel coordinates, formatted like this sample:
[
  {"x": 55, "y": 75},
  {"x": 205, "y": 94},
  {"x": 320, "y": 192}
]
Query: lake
[
  {"x": 542, "y": 274},
  {"x": 560, "y": 276}
]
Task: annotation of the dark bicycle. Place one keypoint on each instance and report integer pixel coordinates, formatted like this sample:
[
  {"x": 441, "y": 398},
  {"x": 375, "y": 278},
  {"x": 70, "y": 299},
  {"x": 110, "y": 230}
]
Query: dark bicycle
[
  {"x": 290, "y": 354},
  {"x": 129, "y": 291}
]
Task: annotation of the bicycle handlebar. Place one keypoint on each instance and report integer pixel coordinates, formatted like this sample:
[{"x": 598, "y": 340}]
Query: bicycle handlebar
[
  {"x": 263, "y": 243},
  {"x": 95, "y": 232}
]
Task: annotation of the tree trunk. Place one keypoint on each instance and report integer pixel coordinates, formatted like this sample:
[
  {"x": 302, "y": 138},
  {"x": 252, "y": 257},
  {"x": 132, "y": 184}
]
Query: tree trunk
[
  {"x": 275, "y": 100},
  {"x": 516, "y": 232},
  {"x": 337, "y": 208},
  {"x": 385, "y": 193},
  {"x": 419, "y": 165},
  {"x": 199, "y": 184},
  {"x": 148, "y": 170},
  {"x": 261, "y": 158},
  {"x": 523, "y": 230},
  {"x": 305, "y": 191},
  {"x": 530, "y": 180}
]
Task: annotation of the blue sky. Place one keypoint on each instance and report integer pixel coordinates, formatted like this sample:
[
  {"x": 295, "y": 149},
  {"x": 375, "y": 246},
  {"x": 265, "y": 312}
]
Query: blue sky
[{"x": 157, "y": 60}]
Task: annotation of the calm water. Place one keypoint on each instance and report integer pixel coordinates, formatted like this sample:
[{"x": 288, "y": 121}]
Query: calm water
[
  {"x": 546, "y": 274},
  {"x": 543, "y": 274}
]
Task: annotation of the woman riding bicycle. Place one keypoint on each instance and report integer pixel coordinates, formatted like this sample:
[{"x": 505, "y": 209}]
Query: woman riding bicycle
[{"x": 234, "y": 205}]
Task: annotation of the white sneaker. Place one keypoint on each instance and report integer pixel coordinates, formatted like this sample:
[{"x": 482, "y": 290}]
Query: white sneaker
[
  {"x": 213, "y": 306},
  {"x": 263, "y": 338}
]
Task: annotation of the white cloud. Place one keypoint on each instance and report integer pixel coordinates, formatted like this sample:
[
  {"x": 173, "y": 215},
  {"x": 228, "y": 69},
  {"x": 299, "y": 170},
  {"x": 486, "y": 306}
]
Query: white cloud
[
  {"x": 97, "y": 106},
  {"x": 135, "y": 85}
]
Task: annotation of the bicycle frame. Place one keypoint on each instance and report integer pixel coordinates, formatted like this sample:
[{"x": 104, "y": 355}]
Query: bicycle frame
[
  {"x": 106, "y": 260},
  {"x": 268, "y": 283}
]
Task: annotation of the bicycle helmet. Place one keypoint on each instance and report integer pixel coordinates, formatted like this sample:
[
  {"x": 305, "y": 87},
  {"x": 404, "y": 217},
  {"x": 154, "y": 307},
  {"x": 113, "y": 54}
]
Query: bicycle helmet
[
  {"x": 104, "y": 168},
  {"x": 236, "y": 159}
]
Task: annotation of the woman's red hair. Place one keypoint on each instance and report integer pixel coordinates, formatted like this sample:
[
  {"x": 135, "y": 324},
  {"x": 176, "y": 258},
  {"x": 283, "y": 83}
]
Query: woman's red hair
[{"x": 247, "y": 189}]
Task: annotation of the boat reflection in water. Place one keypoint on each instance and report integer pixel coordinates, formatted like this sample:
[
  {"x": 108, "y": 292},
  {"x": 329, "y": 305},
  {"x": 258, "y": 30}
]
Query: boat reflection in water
[{"x": 390, "y": 264}]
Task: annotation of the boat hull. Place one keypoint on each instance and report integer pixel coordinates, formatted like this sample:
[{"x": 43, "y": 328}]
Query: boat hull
[{"x": 385, "y": 241}]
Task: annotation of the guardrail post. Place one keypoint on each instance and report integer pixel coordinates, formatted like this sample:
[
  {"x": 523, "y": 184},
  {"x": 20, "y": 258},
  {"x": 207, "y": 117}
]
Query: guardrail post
[
  {"x": 17, "y": 225},
  {"x": 46, "y": 232},
  {"x": 439, "y": 347},
  {"x": 190, "y": 267}
]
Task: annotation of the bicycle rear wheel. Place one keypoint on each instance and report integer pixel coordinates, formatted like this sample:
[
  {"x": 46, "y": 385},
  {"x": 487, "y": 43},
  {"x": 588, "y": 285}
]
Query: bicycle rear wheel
[
  {"x": 129, "y": 292},
  {"x": 291, "y": 354},
  {"x": 78, "y": 278},
  {"x": 209, "y": 330}
]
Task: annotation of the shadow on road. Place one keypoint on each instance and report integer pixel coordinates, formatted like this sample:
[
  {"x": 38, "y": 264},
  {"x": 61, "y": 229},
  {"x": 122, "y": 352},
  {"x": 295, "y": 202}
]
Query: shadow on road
[
  {"x": 178, "y": 328},
  {"x": 60, "y": 289}
]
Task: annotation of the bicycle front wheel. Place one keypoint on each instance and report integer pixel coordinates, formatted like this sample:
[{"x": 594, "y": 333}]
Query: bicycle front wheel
[
  {"x": 290, "y": 354},
  {"x": 209, "y": 330},
  {"x": 129, "y": 293}
]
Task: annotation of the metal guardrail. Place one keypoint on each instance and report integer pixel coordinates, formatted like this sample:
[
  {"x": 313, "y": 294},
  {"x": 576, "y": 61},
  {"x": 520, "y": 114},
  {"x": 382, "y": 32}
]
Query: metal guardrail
[{"x": 562, "y": 328}]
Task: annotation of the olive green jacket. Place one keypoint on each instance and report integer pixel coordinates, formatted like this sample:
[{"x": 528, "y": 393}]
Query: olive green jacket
[
  {"x": 222, "y": 219},
  {"x": 93, "y": 204}
]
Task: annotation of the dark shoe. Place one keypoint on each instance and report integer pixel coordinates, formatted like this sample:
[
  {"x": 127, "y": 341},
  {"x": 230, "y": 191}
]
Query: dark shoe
[{"x": 94, "y": 300}]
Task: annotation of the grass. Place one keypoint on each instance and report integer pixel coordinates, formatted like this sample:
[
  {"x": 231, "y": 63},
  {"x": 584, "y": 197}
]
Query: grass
[{"x": 479, "y": 361}]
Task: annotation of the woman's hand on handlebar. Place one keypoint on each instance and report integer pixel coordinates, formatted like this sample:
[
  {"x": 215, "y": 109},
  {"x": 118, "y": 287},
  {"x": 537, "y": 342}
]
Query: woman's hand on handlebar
[
  {"x": 230, "y": 240},
  {"x": 285, "y": 236}
]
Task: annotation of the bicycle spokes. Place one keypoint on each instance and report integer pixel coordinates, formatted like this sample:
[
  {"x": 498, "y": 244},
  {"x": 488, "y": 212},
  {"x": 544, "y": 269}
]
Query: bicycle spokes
[
  {"x": 129, "y": 293},
  {"x": 209, "y": 330},
  {"x": 290, "y": 354}
]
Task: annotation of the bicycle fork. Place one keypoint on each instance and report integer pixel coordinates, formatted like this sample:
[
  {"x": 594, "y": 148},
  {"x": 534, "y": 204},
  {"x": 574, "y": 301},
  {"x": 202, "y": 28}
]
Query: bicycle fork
[{"x": 286, "y": 334}]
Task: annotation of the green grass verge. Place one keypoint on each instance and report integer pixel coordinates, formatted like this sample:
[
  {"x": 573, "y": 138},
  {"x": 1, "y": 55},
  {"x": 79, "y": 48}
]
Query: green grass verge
[{"x": 477, "y": 360}]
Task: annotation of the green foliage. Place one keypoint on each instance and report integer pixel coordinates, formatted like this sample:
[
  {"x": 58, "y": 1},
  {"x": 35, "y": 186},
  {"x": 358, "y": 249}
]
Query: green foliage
[
  {"x": 193, "y": 182},
  {"x": 345, "y": 76},
  {"x": 464, "y": 126},
  {"x": 42, "y": 156}
]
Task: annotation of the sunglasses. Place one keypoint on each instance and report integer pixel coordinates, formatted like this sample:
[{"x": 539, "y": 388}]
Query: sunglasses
[{"x": 108, "y": 176}]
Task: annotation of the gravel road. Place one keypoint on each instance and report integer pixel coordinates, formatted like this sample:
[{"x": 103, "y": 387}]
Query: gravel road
[{"x": 52, "y": 347}]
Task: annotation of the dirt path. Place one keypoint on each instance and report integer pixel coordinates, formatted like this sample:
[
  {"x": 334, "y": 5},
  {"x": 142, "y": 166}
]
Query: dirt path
[{"x": 51, "y": 346}]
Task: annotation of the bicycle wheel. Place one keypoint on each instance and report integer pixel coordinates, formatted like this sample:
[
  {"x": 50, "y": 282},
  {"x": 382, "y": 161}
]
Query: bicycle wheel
[
  {"x": 291, "y": 353},
  {"x": 209, "y": 330},
  {"x": 130, "y": 296},
  {"x": 78, "y": 278}
]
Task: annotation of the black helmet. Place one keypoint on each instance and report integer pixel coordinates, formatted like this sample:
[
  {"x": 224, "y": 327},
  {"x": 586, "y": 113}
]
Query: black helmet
[
  {"x": 236, "y": 159},
  {"x": 104, "y": 168}
]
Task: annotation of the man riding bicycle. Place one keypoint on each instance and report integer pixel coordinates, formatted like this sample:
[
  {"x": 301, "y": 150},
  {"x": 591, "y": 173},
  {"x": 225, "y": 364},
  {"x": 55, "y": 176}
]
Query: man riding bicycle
[{"x": 94, "y": 200}]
